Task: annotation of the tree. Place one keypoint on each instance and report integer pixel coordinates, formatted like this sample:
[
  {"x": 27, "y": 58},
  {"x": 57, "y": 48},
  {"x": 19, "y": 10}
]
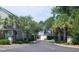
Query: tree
[
  {"x": 41, "y": 25},
  {"x": 67, "y": 18},
  {"x": 62, "y": 22},
  {"x": 48, "y": 22},
  {"x": 60, "y": 26},
  {"x": 75, "y": 22},
  {"x": 29, "y": 26}
]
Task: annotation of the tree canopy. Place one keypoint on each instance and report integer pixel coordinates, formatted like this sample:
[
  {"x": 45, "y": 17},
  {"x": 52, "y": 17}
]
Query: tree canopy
[{"x": 66, "y": 16}]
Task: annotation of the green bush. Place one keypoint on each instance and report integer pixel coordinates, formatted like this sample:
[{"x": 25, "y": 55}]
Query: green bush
[
  {"x": 75, "y": 41},
  {"x": 20, "y": 42},
  {"x": 30, "y": 39},
  {"x": 26, "y": 41},
  {"x": 4, "y": 42},
  {"x": 61, "y": 42},
  {"x": 33, "y": 38},
  {"x": 38, "y": 37},
  {"x": 50, "y": 37}
]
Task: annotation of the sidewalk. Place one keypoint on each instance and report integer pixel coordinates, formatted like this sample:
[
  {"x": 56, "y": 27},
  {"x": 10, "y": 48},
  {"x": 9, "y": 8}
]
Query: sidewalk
[{"x": 71, "y": 46}]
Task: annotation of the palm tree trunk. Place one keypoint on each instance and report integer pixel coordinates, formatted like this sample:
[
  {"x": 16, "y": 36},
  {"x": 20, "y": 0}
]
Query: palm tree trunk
[
  {"x": 58, "y": 33},
  {"x": 65, "y": 34},
  {"x": 59, "y": 36}
]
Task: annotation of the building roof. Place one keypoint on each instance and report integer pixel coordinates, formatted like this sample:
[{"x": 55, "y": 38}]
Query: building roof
[
  {"x": 6, "y": 11},
  {"x": 5, "y": 14}
]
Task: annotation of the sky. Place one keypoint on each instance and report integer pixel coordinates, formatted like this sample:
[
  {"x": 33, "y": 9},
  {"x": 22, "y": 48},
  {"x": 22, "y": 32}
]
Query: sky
[{"x": 39, "y": 13}]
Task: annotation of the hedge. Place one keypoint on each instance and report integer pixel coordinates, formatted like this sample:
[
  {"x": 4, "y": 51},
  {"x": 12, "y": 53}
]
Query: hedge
[
  {"x": 26, "y": 40},
  {"x": 21, "y": 41},
  {"x": 4, "y": 42},
  {"x": 75, "y": 41},
  {"x": 50, "y": 37}
]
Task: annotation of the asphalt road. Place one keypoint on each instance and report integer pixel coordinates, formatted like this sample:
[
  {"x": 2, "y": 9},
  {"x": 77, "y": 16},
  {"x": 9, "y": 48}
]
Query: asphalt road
[{"x": 41, "y": 46}]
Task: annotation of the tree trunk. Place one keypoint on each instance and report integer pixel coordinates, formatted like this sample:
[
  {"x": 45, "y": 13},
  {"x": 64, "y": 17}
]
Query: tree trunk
[
  {"x": 58, "y": 33},
  {"x": 65, "y": 34},
  {"x": 59, "y": 36}
]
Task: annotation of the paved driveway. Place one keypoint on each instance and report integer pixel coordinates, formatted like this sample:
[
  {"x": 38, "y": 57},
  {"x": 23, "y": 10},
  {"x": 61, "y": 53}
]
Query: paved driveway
[{"x": 41, "y": 46}]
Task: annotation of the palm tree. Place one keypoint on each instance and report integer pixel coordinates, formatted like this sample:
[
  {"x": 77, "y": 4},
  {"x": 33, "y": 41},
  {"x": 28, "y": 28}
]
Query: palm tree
[{"x": 62, "y": 25}]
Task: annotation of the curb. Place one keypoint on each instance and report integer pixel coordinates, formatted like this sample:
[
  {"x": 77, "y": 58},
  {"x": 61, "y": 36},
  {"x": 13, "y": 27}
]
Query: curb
[{"x": 70, "y": 46}]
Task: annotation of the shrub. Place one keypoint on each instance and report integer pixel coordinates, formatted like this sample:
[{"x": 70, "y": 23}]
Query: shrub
[
  {"x": 33, "y": 38},
  {"x": 38, "y": 37},
  {"x": 4, "y": 42},
  {"x": 50, "y": 37},
  {"x": 20, "y": 42},
  {"x": 62, "y": 42},
  {"x": 26, "y": 41},
  {"x": 75, "y": 41},
  {"x": 30, "y": 39}
]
